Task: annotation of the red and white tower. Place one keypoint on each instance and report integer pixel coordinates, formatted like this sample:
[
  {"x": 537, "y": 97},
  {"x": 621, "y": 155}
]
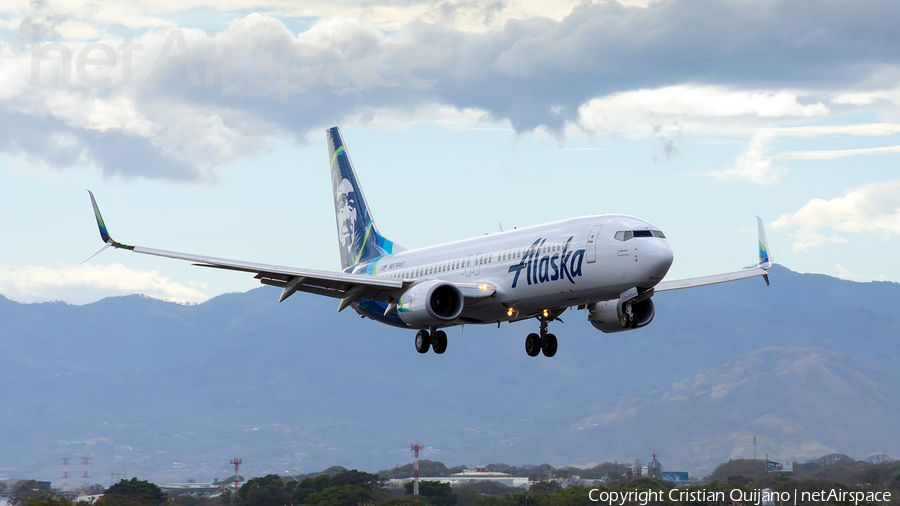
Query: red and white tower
[
  {"x": 237, "y": 465},
  {"x": 415, "y": 449},
  {"x": 654, "y": 469}
]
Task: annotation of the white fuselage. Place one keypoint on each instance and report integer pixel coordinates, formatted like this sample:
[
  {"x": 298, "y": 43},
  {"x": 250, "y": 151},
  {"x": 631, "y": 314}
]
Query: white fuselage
[{"x": 550, "y": 267}]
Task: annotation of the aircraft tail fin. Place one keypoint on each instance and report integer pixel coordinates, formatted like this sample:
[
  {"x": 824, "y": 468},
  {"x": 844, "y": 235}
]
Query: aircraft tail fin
[
  {"x": 358, "y": 237},
  {"x": 765, "y": 261}
]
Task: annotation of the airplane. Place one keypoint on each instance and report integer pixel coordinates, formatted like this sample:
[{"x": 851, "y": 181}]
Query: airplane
[{"x": 611, "y": 265}]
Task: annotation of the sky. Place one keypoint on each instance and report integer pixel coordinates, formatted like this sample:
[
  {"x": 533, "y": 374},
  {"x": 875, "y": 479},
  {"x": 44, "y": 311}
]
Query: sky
[{"x": 200, "y": 127}]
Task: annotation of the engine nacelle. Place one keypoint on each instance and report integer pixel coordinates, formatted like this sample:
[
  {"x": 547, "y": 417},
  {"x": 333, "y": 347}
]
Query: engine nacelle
[
  {"x": 613, "y": 316},
  {"x": 430, "y": 303}
]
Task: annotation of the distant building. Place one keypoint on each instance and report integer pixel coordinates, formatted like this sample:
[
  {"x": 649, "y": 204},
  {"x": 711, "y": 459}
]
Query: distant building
[
  {"x": 471, "y": 476},
  {"x": 676, "y": 476},
  {"x": 194, "y": 488},
  {"x": 774, "y": 467}
]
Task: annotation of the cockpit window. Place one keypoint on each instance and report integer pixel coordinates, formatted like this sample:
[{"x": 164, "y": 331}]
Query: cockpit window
[{"x": 625, "y": 235}]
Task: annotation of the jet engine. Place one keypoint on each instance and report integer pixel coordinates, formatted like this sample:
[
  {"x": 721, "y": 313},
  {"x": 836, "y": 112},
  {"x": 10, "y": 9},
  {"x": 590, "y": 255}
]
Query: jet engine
[
  {"x": 430, "y": 303},
  {"x": 615, "y": 316}
]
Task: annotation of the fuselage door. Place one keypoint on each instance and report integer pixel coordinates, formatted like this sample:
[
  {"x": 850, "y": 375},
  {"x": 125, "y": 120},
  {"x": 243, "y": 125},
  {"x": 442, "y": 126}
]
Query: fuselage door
[
  {"x": 590, "y": 249},
  {"x": 469, "y": 266}
]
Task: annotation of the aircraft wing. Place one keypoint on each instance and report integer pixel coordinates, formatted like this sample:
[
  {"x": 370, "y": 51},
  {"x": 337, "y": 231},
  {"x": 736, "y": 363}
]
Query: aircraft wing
[
  {"x": 760, "y": 269},
  {"x": 347, "y": 287},
  {"x": 676, "y": 284}
]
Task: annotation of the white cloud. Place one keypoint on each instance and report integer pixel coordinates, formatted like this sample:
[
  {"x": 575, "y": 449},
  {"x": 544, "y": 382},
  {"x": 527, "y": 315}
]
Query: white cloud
[
  {"x": 866, "y": 98},
  {"x": 93, "y": 113},
  {"x": 481, "y": 15},
  {"x": 843, "y": 272},
  {"x": 698, "y": 108},
  {"x": 10, "y": 24},
  {"x": 831, "y": 154},
  {"x": 866, "y": 129},
  {"x": 754, "y": 164},
  {"x": 805, "y": 238},
  {"x": 468, "y": 15},
  {"x": 177, "y": 135},
  {"x": 561, "y": 66},
  {"x": 447, "y": 116},
  {"x": 86, "y": 283},
  {"x": 873, "y": 208}
]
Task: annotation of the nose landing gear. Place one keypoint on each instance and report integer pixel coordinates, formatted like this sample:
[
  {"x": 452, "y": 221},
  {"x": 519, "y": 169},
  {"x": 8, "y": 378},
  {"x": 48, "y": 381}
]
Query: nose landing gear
[{"x": 545, "y": 342}]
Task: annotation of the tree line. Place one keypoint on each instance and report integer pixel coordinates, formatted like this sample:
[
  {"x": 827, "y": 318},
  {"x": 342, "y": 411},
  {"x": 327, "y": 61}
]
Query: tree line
[{"x": 338, "y": 486}]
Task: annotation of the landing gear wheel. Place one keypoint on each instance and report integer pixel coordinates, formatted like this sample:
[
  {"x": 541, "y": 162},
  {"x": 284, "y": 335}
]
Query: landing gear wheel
[
  {"x": 549, "y": 345},
  {"x": 423, "y": 341},
  {"x": 533, "y": 345},
  {"x": 439, "y": 341}
]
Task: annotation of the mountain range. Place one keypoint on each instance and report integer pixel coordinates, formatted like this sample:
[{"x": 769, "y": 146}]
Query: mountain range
[{"x": 171, "y": 392}]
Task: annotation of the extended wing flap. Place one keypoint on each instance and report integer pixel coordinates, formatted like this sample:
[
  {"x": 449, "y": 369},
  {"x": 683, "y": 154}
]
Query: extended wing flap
[{"x": 318, "y": 287}]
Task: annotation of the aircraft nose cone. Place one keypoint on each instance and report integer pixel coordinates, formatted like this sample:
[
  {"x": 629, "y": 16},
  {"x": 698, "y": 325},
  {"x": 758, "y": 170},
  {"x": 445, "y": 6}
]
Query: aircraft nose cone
[{"x": 657, "y": 258}]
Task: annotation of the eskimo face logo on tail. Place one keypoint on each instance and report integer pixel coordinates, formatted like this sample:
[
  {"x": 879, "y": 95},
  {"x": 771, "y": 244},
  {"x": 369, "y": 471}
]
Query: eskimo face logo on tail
[
  {"x": 346, "y": 214},
  {"x": 550, "y": 267}
]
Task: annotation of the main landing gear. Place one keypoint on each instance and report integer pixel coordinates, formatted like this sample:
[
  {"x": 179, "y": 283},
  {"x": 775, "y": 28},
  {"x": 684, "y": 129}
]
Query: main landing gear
[
  {"x": 436, "y": 340},
  {"x": 546, "y": 342}
]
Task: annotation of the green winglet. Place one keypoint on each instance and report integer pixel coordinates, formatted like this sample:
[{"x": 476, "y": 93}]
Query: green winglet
[
  {"x": 104, "y": 233},
  {"x": 765, "y": 259}
]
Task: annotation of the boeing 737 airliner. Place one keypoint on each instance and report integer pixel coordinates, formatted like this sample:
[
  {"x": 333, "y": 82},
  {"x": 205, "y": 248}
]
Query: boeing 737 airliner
[{"x": 610, "y": 265}]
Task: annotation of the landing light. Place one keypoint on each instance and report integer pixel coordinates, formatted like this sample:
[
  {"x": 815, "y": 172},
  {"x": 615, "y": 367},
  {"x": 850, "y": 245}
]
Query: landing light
[
  {"x": 509, "y": 312},
  {"x": 484, "y": 286},
  {"x": 546, "y": 313}
]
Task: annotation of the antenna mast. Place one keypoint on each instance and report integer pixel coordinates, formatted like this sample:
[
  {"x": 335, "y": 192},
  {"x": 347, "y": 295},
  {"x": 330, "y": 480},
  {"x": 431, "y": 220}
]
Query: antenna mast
[
  {"x": 237, "y": 465},
  {"x": 415, "y": 449}
]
